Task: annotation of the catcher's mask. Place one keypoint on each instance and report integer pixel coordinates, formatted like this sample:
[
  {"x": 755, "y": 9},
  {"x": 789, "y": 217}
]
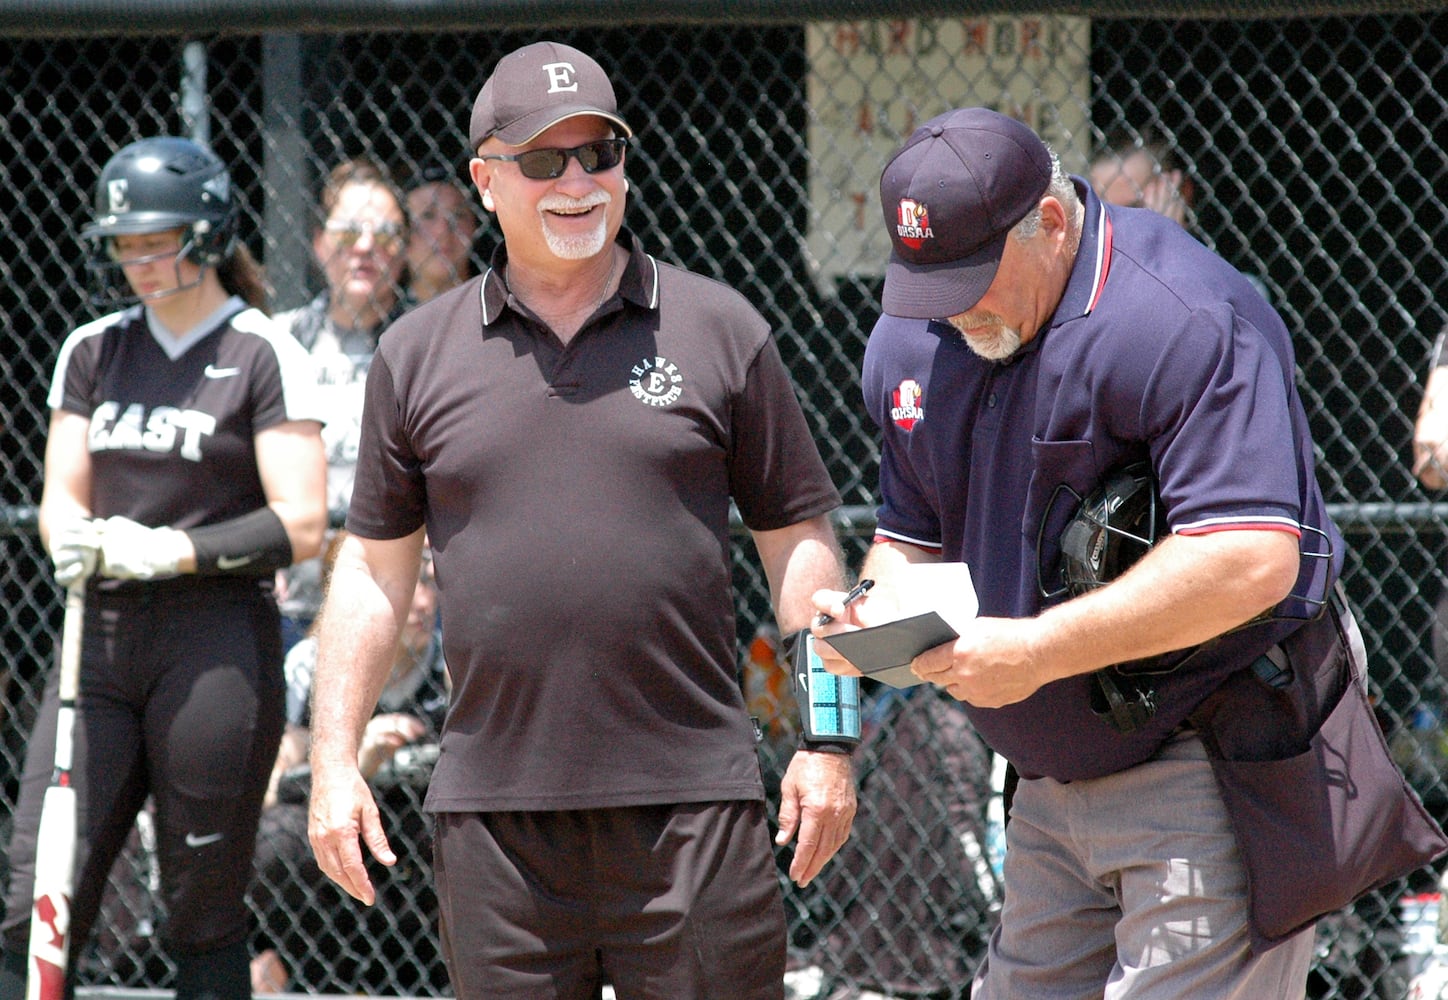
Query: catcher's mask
[{"x": 1113, "y": 527}]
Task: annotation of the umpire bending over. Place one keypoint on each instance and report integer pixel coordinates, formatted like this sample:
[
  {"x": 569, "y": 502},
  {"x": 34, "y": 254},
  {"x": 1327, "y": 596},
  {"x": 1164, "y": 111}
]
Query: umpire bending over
[
  {"x": 1038, "y": 343},
  {"x": 568, "y": 429}
]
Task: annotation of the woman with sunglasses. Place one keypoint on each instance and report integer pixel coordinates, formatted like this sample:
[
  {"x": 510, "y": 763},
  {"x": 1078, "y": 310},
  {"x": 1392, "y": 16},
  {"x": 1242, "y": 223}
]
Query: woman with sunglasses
[
  {"x": 571, "y": 427},
  {"x": 183, "y": 468},
  {"x": 360, "y": 245}
]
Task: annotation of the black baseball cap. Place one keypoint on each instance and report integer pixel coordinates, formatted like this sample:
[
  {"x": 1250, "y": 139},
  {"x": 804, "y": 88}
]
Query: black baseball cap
[
  {"x": 950, "y": 196},
  {"x": 538, "y": 86}
]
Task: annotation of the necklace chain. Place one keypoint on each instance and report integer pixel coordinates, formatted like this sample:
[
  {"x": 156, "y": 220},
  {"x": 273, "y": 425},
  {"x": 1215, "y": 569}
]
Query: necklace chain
[{"x": 603, "y": 296}]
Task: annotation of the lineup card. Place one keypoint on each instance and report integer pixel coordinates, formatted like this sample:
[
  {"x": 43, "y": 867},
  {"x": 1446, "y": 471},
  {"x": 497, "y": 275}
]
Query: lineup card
[
  {"x": 832, "y": 704},
  {"x": 884, "y": 652},
  {"x": 936, "y": 602}
]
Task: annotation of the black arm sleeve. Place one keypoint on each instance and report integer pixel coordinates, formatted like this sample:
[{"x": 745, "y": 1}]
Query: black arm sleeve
[{"x": 254, "y": 544}]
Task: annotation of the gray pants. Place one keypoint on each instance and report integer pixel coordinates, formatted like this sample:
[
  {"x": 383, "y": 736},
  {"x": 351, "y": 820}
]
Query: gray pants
[{"x": 1130, "y": 887}]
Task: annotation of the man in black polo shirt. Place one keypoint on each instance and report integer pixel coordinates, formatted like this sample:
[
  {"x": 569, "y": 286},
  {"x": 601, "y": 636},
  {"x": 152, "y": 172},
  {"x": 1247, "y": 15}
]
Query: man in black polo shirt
[{"x": 569, "y": 429}]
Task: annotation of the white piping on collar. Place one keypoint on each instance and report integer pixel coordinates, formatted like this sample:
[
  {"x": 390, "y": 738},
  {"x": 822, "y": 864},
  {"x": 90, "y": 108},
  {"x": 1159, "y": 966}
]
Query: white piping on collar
[
  {"x": 1103, "y": 250},
  {"x": 483, "y": 296},
  {"x": 653, "y": 289},
  {"x": 654, "y": 292}
]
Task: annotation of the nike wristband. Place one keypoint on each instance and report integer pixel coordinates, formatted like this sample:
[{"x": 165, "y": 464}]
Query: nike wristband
[
  {"x": 829, "y": 706},
  {"x": 254, "y": 544}
]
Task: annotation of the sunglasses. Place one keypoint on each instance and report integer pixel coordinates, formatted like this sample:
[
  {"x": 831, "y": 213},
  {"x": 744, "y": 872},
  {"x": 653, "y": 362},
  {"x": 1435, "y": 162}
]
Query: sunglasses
[
  {"x": 386, "y": 236},
  {"x": 548, "y": 164}
]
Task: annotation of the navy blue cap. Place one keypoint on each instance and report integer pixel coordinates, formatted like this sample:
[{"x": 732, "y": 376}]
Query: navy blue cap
[{"x": 951, "y": 196}]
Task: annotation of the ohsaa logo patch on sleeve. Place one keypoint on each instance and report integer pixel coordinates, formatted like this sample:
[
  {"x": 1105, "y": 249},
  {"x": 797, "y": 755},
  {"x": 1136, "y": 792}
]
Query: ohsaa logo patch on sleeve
[{"x": 907, "y": 404}]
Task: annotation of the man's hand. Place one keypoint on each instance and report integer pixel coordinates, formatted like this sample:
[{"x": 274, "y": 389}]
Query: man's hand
[
  {"x": 384, "y": 736},
  {"x": 992, "y": 665},
  {"x": 817, "y": 798},
  {"x": 1163, "y": 195},
  {"x": 75, "y": 550},
  {"x": 132, "y": 551},
  {"x": 341, "y": 812},
  {"x": 1430, "y": 445},
  {"x": 842, "y": 617}
]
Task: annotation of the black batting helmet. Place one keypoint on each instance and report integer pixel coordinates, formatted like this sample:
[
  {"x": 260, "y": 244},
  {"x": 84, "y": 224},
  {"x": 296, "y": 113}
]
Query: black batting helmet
[{"x": 166, "y": 183}]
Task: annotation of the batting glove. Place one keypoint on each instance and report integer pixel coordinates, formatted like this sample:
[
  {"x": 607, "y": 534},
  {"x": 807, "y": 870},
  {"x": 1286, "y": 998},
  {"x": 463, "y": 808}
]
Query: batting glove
[
  {"x": 74, "y": 549},
  {"x": 132, "y": 551}
]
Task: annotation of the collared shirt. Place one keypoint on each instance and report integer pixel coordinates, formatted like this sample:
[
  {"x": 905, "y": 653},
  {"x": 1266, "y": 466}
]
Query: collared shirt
[
  {"x": 577, "y": 501},
  {"x": 1158, "y": 350}
]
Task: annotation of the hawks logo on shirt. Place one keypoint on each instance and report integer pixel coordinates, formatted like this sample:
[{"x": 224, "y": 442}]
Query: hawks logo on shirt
[
  {"x": 913, "y": 225},
  {"x": 656, "y": 381},
  {"x": 907, "y": 404}
]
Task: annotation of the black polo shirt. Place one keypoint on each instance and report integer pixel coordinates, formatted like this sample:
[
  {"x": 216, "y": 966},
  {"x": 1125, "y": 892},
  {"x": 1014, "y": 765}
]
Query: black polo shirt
[{"x": 577, "y": 501}]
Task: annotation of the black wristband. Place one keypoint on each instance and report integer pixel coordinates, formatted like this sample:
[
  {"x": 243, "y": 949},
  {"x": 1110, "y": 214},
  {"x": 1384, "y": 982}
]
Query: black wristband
[
  {"x": 826, "y": 746},
  {"x": 254, "y": 544}
]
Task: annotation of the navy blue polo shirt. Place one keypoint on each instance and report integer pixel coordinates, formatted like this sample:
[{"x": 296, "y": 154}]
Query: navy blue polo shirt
[{"x": 1159, "y": 350}]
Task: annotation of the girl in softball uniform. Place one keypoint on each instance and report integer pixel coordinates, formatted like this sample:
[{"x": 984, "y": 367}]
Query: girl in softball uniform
[{"x": 183, "y": 468}]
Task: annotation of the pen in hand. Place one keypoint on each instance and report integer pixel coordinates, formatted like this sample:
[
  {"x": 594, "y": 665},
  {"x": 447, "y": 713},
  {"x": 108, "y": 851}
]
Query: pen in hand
[{"x": 856, "y": 592}]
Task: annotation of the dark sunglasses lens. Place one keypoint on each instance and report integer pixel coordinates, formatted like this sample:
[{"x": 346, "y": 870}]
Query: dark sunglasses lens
[
  {"x": 598, "y": 156},
  {"x": 548, "y": 164},
  {"x": 543, "y": 164}
]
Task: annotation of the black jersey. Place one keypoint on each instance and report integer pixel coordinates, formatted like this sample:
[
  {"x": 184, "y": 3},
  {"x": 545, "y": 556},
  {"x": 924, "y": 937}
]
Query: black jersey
[{"x": 173, "y": 419}]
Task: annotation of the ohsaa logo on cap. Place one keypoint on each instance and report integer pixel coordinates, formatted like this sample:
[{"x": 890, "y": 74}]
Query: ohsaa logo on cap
[
  {"x": 913, "y": 227},
  {"x": 907, "y": 404}
]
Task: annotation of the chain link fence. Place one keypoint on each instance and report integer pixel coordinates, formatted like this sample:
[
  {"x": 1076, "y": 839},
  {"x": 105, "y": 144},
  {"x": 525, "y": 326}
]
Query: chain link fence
[{"x": 1310, "y": 144}]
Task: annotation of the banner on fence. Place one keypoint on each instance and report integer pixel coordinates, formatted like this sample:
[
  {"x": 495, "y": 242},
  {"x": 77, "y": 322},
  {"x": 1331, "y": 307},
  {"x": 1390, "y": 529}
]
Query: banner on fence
[{"x": 872, "y": 82}]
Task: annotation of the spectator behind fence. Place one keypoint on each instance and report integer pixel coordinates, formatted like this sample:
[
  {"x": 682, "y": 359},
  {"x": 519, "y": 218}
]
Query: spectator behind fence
[
  {"x": 1430, "y": 431},
  {"x": 183, "y": 468},
  {"x": 1060, "y": 349},
  {"x": 1140, "y": 170},
  {"x": 359, "y": 245},
  {"x": 1430, "y": 466},
  {"x": 442, "y": 226},
  {"x": 313, "y": 939},
  {"x": 571, "y": 427}
]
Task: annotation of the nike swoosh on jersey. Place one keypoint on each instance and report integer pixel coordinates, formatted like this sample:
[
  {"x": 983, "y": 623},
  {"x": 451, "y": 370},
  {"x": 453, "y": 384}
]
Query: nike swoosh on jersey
[
  {"x": 201, "y": 840},
  {"x": 233, "y": 562},
  {"x": 213, "y": 372}
]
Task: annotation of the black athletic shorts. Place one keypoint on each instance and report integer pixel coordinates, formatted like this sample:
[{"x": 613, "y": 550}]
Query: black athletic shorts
[{"x": 663, "y": 902}]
